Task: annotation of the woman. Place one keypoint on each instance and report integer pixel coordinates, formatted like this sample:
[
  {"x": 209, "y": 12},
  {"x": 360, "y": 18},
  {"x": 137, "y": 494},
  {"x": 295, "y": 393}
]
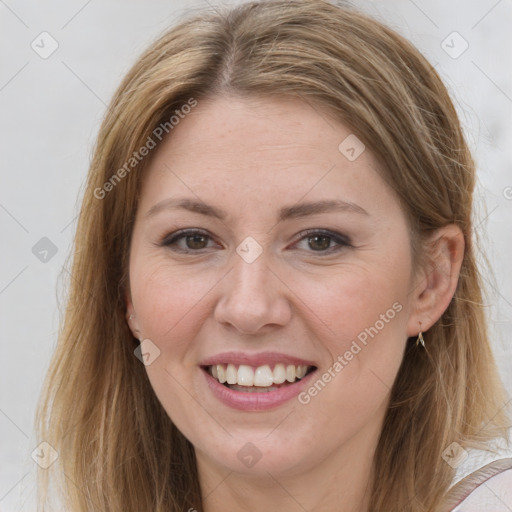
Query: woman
[{"x": 275, "y": 303}]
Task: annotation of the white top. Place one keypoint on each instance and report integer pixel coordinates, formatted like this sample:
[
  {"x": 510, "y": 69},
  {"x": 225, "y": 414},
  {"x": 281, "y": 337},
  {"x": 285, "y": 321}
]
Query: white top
[
  {"x": 483, "y": 480},
  {"x": 494, "y": 495}
]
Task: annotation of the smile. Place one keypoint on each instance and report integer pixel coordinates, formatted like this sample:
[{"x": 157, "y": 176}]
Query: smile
[
  {"x": 256, "y": 382},
  {"x": 263, "y": 378}
]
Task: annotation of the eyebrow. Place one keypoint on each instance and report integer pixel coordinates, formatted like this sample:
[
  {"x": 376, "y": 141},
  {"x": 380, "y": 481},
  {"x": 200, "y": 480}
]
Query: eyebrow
[{"x": 286, "y": 213}]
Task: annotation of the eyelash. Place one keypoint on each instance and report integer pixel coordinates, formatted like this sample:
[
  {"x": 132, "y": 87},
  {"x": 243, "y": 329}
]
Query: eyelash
[{"x": 341, "y": 240}]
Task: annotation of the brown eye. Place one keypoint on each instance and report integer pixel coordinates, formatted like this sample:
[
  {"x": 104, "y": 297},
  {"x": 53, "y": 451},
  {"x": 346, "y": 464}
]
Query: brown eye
[
  {"x": 196, "y": 241},
  {"x": 322, "y": 241},
  {"x": 187, "y": 241},
  {"x": 319, "y": 243}
]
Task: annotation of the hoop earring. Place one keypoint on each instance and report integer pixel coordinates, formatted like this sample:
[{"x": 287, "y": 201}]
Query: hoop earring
[{"x": 420, "y": 340}]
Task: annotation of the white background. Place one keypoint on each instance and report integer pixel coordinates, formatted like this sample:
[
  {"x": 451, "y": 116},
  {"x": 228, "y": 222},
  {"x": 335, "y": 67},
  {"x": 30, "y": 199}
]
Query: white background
[{"x": 50, "y": 113}]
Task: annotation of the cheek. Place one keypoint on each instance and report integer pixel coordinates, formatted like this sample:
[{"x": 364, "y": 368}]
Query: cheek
[
  {"x": 170, "y": 302},
  {"x": 363, "y": 311},
  {"x": 366, "y": 307},
  {"x": 354, "y": 300},
  {"x": 171, "y": 305}
]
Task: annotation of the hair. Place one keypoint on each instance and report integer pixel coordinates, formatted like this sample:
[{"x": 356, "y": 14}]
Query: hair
[{"x": 118, "y": 449}]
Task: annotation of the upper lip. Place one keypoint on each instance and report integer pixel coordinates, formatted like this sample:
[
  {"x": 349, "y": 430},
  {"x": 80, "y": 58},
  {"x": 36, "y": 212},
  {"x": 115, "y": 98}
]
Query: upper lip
[{"x": 255, "y": 360}]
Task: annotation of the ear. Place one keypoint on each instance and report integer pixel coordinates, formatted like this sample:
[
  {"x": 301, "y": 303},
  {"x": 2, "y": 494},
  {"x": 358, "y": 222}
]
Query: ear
[
  {"x": 436, "y": 281},
  {"x": 131, "y": 319}
]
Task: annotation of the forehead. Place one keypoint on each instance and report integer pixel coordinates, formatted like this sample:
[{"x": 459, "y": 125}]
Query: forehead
[{"x": 273, "y": 151}]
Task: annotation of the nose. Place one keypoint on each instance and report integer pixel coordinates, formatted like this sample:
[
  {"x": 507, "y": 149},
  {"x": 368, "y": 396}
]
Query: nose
[{"x": 253, "y": 297}]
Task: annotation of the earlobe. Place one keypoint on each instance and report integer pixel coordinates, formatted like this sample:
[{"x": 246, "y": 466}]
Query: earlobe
[
  {"x": 132, "y": 324},
  {"x": 437, "y": 282},
  {"x": 131, "y": 318}
]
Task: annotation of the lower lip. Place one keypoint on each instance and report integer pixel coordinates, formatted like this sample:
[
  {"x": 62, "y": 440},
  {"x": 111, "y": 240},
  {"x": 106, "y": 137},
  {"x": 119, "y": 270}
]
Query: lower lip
[{"x": 256, "y": 401}]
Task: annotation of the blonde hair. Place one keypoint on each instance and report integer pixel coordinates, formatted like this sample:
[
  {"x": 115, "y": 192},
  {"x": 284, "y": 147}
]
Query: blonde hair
[{"x": 118, "y": 449}]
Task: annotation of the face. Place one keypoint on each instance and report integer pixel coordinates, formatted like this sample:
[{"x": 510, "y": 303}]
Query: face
[{"x": 266, "y": 254}]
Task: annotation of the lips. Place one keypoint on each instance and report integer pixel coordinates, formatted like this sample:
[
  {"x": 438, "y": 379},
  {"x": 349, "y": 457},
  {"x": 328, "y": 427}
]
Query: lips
[
  {"x": 256, "y": 381},
  {"x": 255, "y": 360}
]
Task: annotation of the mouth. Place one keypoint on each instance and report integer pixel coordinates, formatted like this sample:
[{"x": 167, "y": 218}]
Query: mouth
[
  {"x": 258, "y": 379},
  {"x": 252, "y": 382}
]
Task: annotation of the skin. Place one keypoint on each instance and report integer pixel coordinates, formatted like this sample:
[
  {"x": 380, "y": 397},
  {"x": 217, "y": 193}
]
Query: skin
[{"x": 251, "y": 157}]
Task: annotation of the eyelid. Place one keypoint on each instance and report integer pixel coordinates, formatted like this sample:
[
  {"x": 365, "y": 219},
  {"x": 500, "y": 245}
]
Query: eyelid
[
  {"x": 341, "y": 240},
  {"x": 169, "y": 237},
  {"x": 338, "y": 238},
  {"x": 173, "y": 237}
]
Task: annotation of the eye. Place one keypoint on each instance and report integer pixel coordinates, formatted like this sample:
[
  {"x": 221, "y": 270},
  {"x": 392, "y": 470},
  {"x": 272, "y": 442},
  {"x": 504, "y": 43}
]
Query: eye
[
  {"x": 187, "y": 240},
  {"x": 315, "y": 240},
  {"x": 322, "y": 241}
]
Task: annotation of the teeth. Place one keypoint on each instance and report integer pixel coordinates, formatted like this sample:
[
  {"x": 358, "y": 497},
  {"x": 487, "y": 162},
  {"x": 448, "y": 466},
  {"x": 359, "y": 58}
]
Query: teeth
[
  {"x": 279, "y": 374},
  {"x": 231, "y": 374},
  {"x": 262, "y": 376},
  {"x": 301, "y": 371},
  {"x": 221, "y": 372},
  {"x": 290, "y": 373},
  {"x": 245, "y": 376}
]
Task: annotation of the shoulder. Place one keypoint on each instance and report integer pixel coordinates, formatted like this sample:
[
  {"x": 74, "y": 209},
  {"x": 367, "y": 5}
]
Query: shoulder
[
  {"x": 483, "y": 479},
  {"x": 493, "y": 494}
]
